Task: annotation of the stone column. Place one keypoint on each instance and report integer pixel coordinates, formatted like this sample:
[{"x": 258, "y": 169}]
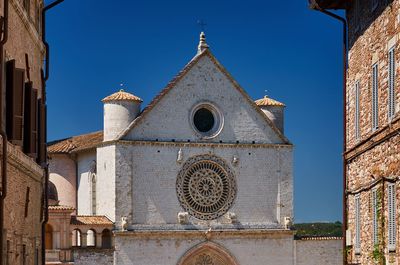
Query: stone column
[
  {"x": 98, "y": 240},
  {"x": 84, "y": 239}
]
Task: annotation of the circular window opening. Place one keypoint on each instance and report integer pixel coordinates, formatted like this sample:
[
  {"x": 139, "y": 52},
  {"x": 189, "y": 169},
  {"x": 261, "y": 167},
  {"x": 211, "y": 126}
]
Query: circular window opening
[{"x": 203, "y": 120}]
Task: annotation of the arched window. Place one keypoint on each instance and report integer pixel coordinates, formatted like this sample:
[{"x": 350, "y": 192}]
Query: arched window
[
  {"x": 91, "y": 238},
  {"x": 52, "y": 194},
  {"x": 106, "y": 239},
  {"x": 48, "y": 237},
  {"x": 76, "y": 238},
  {"x": 92, "y": 187}
]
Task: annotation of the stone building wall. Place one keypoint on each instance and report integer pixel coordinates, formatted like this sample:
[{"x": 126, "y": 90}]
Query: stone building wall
[
  {"x": 373, "y": 160},
  {"x": 319, "y": 251},
  {"x": 22, "y": 223},
  {"x": 62, "y": 170},
  {"x": 85, "y": 161},
  {"x": 90, "y": 256},
  {"x": 22, "y": 220},
  {"x": 147, "y": 193}
]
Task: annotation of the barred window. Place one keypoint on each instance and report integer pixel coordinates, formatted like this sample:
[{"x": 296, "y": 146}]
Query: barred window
[
  {"x": 391, "y": 79},
  {"x": 392, "y": 217},
  {"x": 375, "y": 106}
]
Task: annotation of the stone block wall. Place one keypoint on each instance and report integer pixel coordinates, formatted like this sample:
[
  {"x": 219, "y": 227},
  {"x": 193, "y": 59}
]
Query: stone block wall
[
  {"x": 317, "y": 251},
  {"x": 90, "y": 256},
  {"x": 373, "y": 160},
  {"x": 22, "y": 222}
]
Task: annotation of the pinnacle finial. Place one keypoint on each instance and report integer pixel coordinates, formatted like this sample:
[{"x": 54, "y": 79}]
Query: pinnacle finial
[{"x": 202, "y": 44}]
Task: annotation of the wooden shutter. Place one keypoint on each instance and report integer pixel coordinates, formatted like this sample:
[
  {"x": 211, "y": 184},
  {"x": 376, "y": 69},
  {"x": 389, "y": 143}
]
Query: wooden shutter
[
  {"x": 375, "y": 216},
  {"x": 391, "y": 78},
  {"x": 41, "y": 133},
  {"x": 357, "y": 243},
  {"x": 375, "y": 114},
  {"x": 357, "y": 111},
  {"x": 14, "y": 103},
  {"x": 30, "y": 126},
  {"x": 392, "y": 217}
]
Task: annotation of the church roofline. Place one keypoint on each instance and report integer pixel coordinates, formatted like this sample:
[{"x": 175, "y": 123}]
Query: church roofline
[{"x": 180, "y": 75}]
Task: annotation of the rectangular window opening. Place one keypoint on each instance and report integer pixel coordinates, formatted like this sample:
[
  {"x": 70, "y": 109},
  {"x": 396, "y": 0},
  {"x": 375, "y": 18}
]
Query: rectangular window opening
[
  {"x": 392, "y": 217},
  {"x": 357, "y": 110},
  {"x": 391, "y": 85},
  {"x": 375, "y": 112},
  {"x": 357, "y": 243}
]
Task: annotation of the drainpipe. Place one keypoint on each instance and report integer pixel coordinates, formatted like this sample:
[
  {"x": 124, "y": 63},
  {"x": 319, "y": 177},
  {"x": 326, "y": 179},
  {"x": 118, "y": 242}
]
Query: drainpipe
[
  {"x": 314, "y": 5},
  {"x": 4, "y": 24},
  {"x": 45, "y": 165}
]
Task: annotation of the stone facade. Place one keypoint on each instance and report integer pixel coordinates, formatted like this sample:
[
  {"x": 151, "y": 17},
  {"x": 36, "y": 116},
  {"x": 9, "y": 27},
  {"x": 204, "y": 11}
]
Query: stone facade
[
  {"x": 22, "y": 238},
  {"x": 317, "y": 251},
  {"x": 93, "y": 256},
  {"x": 373, "y": 159}
]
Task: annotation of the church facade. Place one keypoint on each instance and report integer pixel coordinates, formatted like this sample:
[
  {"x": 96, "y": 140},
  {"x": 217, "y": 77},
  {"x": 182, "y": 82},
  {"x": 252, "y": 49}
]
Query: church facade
[{"x": 202, "y": 175}]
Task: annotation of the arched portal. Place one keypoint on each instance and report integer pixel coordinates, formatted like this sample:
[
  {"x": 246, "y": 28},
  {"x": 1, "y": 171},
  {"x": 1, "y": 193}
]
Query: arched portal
[
  {"x": 48, "y": 237},
  {"x": 207, "y": 254}
]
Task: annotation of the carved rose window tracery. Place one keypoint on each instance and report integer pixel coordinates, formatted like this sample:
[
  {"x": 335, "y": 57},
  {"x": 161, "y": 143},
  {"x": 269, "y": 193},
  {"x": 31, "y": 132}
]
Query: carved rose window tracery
[{"x": 206, "y": 187}]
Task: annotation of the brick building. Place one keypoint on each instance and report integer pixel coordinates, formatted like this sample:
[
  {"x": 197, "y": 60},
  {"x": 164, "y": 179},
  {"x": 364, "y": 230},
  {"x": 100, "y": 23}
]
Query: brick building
[
  {"x": 372, "y": 146},
  {"x": 22, "y": 118}
]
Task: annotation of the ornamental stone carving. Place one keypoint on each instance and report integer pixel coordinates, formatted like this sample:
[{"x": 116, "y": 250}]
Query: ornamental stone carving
[
  {"x": 183, "y": 218},
  {"x": 206, "y": 187}
]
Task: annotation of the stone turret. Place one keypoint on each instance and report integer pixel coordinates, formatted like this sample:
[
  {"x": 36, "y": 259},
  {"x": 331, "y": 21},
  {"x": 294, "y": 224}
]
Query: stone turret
[
  {"x": 120, "y": 109},
  {"x": 274, "y": 111}
]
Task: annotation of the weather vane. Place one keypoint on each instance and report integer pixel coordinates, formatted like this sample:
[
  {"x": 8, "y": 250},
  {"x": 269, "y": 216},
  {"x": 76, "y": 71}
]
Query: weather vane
[
  {"x": 265, "y": 92},
  {"x": 121, "y": 85},
  {"x": 202, "y": 24}
]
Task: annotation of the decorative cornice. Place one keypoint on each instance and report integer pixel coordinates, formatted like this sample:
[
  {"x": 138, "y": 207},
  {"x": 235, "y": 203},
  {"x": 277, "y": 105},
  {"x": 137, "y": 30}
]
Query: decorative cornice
[
  {"x": 28, "y": 24},
  {"x": 215, "y": 234},
  {"x": 24, "y": 163},
  {"x": 195, "y": 144}
]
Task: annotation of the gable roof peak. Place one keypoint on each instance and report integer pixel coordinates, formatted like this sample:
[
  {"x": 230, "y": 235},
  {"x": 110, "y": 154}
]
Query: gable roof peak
[{"x": 202, "y": 43}]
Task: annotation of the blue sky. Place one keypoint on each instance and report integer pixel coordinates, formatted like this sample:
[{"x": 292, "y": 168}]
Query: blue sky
[{"x": 279, "y": 46}]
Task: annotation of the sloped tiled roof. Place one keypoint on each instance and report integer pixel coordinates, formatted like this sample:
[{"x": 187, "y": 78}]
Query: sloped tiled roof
[
  {"x": 90, "y": 220},
  {"x": 266, "y": 101},
  {"x": 61, "y": 208},
  {"x": 75, "y": 143},
  {"x": 122, "y": 96}
]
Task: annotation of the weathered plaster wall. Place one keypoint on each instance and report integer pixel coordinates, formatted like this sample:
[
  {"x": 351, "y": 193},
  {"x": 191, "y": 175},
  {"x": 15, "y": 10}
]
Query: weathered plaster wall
[
  {"x": 63, "y": 175},
  {"x": 85, "y": 161},
  {"x": 106, "y": 183}
]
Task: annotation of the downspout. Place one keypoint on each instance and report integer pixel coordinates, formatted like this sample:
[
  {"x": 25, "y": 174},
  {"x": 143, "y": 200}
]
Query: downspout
[
  {"x": 4, "y": 24},
  {"x": 314, "y": 5},
  {"x": 45, "y": 77}
]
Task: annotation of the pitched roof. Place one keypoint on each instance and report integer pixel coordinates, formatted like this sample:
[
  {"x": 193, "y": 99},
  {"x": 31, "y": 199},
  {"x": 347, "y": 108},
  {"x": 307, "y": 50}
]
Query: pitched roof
[
  {"x": 90, "y": 220},
  {"x": 61, "y": 208},
  {"x": 180, "y": 75},
  {"x": 75, "y": 143},
  {"x": 266, "y": 101},
  {"x": 122, "y": 96}
]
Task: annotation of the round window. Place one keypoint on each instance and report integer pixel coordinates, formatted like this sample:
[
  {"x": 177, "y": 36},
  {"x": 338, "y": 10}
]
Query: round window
[
  {"x": 203, "y": 120},
  {"x": 206, "y": 120}
]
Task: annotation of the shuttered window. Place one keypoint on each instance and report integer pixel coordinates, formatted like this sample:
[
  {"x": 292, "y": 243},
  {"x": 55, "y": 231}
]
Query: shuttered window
[
  {"x": 15, "y": 103},
  {"x": 375, "y": 217},
  {"x": 391, "y": 85},
  {"x": 392, "y": 217},
  {"x": 357, "y": 243},
  {"x": 41, "y": 132},
  {"x": 375, "y": 97},
  {"x": 357, "y": 110},
  {"x": 30, "y": 126}
]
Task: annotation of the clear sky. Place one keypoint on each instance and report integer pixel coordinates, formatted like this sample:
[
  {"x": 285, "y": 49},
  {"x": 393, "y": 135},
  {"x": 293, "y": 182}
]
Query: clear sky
[{"x": 279, "y": 46}]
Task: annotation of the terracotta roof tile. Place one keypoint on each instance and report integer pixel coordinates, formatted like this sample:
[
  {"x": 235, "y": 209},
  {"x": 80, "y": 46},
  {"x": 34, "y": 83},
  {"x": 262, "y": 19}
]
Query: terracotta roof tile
[
  {"x": 122, "y": 96},
  {"x": 61, "y": 208},
  {"x": 266, "y": 101},
  {"x": 90, "y": 220},
  {"x": 75, "y": 143}
]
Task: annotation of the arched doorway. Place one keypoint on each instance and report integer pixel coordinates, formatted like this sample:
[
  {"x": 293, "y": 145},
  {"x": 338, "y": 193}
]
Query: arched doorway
[
  {"x": 48, "y": 237},
  {"x": 207, "y": 254},
  {"x": 106, "y": 239}
]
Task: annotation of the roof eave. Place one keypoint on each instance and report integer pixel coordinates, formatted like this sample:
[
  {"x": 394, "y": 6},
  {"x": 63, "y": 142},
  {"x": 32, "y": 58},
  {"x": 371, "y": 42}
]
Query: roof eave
[{"x": 328, "y": 4}]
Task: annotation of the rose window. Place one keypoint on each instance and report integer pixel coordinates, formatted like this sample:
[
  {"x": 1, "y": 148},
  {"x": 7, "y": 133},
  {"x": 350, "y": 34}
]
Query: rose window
[{"x": 206, "y": 187}]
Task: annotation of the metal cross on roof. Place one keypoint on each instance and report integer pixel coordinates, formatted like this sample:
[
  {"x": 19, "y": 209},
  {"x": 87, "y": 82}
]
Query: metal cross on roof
[{"x": 202, "y": 24}]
